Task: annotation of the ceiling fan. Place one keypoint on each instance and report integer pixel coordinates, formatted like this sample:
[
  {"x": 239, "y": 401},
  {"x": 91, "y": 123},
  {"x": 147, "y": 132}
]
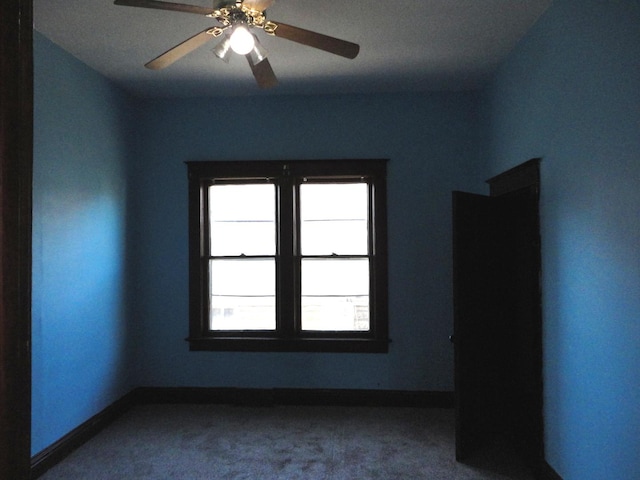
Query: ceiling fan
[{"x": 236, "y": 18}]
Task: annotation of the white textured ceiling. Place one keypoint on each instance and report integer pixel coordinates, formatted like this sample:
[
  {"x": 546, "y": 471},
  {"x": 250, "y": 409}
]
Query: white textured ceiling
[{"x": 405, "y": 45}]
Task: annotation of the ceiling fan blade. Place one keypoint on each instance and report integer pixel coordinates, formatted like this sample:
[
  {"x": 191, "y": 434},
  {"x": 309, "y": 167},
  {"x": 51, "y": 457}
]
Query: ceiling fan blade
[
  {"x": 180, "y": 50},
  {"x": 317, "y": 40},
  {"x": 176, "y": 7},
  {"x": 263, "y": 73},
  {"x": 259, "y": 5}
]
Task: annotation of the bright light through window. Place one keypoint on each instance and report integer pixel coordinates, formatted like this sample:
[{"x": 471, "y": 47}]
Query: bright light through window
[
  {"x": 334, "y": 219},
  {"x": 243, "y": 294},
  {"x": 242, "y": 219},
  {"x": 242, "y": 290},
  {"x": 334, "y": 229}
]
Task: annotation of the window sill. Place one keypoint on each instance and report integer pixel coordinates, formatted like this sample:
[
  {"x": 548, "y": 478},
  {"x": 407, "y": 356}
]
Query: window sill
[{"x": 328, "y": 345}]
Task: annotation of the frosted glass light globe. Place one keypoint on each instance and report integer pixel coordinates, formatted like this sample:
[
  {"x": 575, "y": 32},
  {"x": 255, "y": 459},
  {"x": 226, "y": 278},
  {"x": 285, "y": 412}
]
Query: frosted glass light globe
[{"x": 241, "y": 40}]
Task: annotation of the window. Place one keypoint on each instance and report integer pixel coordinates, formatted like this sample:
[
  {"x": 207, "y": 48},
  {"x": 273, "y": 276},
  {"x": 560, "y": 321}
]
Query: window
[{"x": 288, "y": 256}]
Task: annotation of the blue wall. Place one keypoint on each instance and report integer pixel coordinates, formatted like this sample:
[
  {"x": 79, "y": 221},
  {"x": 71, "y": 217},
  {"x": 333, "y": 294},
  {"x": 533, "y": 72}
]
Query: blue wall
[
  {"x": 79, "y": 214},
  {"x": 91, "y": 345},
  {"x": 433, "y": 145},
  {"x": 570, "y": 94}
]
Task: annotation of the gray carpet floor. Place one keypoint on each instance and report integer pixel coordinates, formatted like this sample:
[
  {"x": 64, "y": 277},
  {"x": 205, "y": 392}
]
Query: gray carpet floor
[{"x": 180, "y": 442}]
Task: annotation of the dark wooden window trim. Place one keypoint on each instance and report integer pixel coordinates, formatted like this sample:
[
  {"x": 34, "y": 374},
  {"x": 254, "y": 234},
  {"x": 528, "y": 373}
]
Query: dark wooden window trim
[{"x": 287, "y": 337}]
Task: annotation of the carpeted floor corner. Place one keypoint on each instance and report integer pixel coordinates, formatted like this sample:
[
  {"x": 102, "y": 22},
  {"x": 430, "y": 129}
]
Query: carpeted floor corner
[{"x": 180, "y": 442}]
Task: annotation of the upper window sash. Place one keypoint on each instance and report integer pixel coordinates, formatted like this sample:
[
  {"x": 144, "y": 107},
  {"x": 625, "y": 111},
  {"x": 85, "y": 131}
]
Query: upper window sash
[{"x": 333, "y": 219}]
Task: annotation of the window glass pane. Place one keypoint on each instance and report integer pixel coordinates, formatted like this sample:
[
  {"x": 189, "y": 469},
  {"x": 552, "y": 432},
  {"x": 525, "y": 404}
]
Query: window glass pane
[
  {"x": 335, "y": 294},
  {"x": 242, "y": 219},
  {"x": 242, "y": 294},
  {"x": 334, "y": 218}
]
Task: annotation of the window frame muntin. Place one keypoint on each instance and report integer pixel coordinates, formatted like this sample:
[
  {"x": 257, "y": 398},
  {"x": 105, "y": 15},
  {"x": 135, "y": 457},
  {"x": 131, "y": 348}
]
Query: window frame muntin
[{"x": 287, "y": 336}]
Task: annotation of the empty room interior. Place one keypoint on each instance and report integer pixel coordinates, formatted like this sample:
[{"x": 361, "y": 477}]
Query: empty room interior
[{"x": 112, "y": 223}]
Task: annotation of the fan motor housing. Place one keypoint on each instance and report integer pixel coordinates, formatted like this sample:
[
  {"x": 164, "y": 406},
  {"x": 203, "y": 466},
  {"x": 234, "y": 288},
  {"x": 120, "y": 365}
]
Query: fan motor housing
[{"x": 238, "y": 13}]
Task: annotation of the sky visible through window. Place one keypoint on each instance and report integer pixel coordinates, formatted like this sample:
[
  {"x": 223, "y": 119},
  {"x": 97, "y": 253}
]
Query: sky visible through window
[{"x": 333, "y": 243}]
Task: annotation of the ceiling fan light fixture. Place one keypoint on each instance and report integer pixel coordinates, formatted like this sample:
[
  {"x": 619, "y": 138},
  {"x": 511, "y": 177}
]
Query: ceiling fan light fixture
[
  {"x": 242, "y": 42},
  {"x": 222, "y": 49},
  {"x": 258, "y": 53},
  {"x": 235, "y": 19}
]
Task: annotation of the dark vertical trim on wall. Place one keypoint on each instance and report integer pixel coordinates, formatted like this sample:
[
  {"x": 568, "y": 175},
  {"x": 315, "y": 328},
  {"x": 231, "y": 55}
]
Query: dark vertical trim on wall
[{"x": 16, "y": 160}]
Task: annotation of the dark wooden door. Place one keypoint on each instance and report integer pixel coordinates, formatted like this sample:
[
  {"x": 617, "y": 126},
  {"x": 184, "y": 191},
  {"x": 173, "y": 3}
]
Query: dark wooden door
[
  {"x": 497, "y": 322},
  {"x": 522, "y": 311},
  {"x": 477, "y": 334}
]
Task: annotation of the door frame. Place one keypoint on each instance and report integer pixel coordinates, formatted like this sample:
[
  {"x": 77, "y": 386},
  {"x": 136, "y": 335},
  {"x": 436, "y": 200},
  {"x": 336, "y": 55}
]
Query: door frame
[{"x": 16, "y": 164}]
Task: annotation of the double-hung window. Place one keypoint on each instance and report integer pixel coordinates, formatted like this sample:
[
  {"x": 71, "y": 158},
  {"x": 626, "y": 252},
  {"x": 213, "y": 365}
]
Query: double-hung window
[{"x": 288, "y": 256}]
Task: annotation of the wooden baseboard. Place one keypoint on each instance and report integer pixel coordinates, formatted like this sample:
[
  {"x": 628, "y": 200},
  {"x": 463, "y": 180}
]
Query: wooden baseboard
[
  {"x": 56, "y": 452},
  {"x": 293, "y": 396}
]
